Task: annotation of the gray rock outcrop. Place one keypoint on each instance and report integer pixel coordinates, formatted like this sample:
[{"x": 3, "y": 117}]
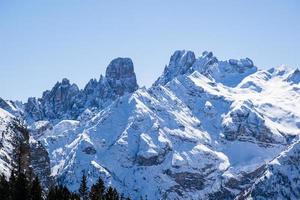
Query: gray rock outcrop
[{"x": 67, "y": 101}]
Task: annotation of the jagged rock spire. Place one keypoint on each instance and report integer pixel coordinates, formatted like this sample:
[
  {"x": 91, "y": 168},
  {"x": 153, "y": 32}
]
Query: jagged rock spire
[
  {"x": 66, "y": 100},
  {"x": 120, "y": 75}
]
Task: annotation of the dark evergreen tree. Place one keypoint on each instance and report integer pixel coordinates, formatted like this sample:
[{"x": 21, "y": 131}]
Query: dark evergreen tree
[
  {"x": 61, "y": 193},
  {"x": 52, "y": 193},
  {"x": 97, "y": 190},
  {"x": 74, "y": 196},
  {"x": 111, "y": 194},
  {"x": 83, "y": 189},
  {"x": 19, "y": 182},
  {"x": 12, "y": 185},
  {"x": 65, "y": 193},
  {"x": 21, "y": 189},
  {"x": 36, "y": 190},
  {"x": 4, "y": 188}
]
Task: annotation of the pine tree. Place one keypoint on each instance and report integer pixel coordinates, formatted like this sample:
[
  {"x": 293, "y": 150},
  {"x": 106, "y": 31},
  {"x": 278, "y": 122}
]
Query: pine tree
[
  {"x": 52, "y": 193},
  {"x": 19, "y": 182},
  {"x": 74, "y": 196},
  {"x": 97, "y": 190},
  {"x": 111, "y": 194},
  {"x": 65, "y": 193},
  {"x": 83, "y": 189},
  {"x": 4, "y": 188},
  {"x": 21, "y": 188},
  {"x": 61, "y": 193},
  {"x": 36, "y": 190},
  {"x": 12, "y": 185}
]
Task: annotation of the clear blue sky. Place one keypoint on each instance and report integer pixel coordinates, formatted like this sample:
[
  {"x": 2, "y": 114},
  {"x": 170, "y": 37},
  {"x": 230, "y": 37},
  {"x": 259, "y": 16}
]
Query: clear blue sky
[{"x": 43, "y": 41}]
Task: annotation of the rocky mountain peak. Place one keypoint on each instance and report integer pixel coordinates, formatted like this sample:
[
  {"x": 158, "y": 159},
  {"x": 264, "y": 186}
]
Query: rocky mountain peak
[
  {"x": 61, "y": 92},
  {"x": 182, "y": 60},
  {"x": 119, "y": 68},
  {"x": 65, "y": 81},
  {"x": 229, "y": 72},
  {"x": 59, "y": 102},
  {"x": 179, "y": 63},
  {"x": 120, "y": 75}
]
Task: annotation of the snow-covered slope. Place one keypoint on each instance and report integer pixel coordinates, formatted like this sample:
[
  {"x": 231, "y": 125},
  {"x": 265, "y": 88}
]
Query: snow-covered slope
[
  {"x": 6, "y": 142},
  {"x": 280, "y": 179},
  {"x": 18, "y": 149},
  {"x": 206, "y": 129}
]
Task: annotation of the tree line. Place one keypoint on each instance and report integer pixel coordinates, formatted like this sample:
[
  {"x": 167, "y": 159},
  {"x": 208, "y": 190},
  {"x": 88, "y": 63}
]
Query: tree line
[{"x": 19, "y": 187}]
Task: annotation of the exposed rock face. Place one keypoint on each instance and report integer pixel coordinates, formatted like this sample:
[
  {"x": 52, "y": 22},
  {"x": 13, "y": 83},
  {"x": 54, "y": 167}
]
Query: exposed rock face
[
  {"x": 185, "y": 181},
  {"x": 62, "y": 100},
  {"x": 97, "y": 94},
  {"x": 294, "y": 77},
  {"x": 13, "y": 107},
  {"x": 33, "y": 109},
  {"x": 120, "y": 76},
  {"x": 234, "y": 187},
  {"x": 180, "y": 63},
  {"x": 246, "y": 124},
  {"x": 22, "y": 149},
  {"x": 229, "y": 73},
  {"x": 191, "y": 177},
  {"x": 40, "y": 163},
  {"x": 67, "y": 101},
  {"x": 4, "y": 105}
]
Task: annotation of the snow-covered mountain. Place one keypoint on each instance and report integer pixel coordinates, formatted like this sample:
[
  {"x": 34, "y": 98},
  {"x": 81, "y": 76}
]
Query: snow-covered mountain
[{"x": 206, "y": 129}]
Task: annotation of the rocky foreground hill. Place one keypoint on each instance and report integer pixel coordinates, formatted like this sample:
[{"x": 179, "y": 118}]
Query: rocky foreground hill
[{"x": 205, "y": 129}]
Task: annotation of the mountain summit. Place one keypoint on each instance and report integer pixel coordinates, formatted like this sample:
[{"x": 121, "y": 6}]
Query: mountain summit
[
  {"x": 120, "y": 76},
  {"x": 229, "y": 72}
]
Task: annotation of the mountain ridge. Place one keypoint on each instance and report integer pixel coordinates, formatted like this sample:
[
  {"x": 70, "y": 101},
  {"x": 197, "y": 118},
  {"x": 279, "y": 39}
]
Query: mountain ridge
[{"x": 204, "y": 128}]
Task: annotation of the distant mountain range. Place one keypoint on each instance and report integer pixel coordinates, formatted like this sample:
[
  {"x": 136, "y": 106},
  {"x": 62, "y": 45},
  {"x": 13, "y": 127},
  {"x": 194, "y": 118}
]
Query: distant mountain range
[{"x": 205, "y": 129}]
